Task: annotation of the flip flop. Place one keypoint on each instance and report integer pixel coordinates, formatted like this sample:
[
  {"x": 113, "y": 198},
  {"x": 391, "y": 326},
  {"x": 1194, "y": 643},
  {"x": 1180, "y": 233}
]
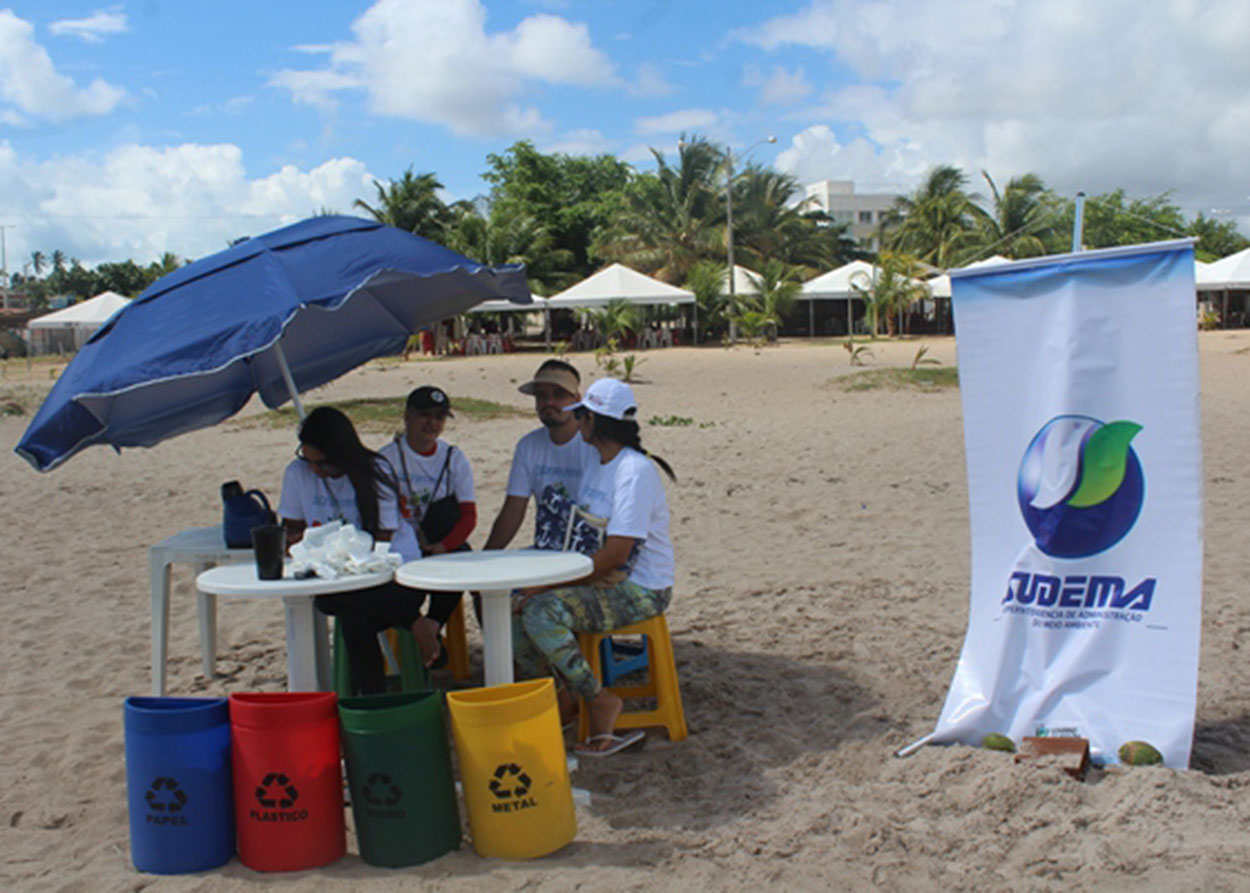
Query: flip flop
[{"x": 619, "y": 743}]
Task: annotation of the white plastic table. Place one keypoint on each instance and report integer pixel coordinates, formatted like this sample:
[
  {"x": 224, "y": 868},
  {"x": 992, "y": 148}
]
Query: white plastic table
[
  {"x": 495, "y": 574},
  {"x": 307, "y": 648},
  {"x": 200, "y": 547}
]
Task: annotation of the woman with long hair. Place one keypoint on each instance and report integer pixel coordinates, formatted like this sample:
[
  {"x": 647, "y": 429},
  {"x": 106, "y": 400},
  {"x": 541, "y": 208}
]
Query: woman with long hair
[
  {"x": 633, "y": 573},
  {"x": 335, "y": 477}
]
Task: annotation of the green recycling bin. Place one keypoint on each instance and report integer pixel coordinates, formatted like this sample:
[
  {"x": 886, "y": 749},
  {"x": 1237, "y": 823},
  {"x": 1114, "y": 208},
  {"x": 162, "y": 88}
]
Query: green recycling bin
[{"x": 399, "y": 772}]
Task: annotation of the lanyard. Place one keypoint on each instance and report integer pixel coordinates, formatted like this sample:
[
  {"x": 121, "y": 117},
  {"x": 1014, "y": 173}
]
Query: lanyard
[
  {"x": 403, "y": 463},
  {"x": 338, "y": 510}
]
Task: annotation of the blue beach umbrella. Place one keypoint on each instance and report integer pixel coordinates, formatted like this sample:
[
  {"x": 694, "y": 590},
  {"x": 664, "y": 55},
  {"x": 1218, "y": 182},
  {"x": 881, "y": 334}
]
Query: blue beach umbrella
[{"x": 275, "y": 315}]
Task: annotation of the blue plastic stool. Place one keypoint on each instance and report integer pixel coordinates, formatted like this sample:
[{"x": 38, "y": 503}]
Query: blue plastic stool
[{"x": 622, "y": 658}]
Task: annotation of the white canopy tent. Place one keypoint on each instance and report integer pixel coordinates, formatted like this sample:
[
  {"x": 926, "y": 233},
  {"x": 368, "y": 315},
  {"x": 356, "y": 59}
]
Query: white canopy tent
[
  {"x": 1227, "y": 274},
  {"x": 68, "y": 329},
  {"x": 619, "y": 282},
  {"x": 500, "y": 305},
  {"x": 837, "y": 284},
  {"x": 744, "y": 281},
  {"x": 940, "y": 286}
]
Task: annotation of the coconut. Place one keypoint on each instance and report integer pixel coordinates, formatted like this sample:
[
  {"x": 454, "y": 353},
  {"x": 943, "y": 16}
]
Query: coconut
[
  {"x": 995, "y": 741},
  {"x": 1139, "y": 753}
]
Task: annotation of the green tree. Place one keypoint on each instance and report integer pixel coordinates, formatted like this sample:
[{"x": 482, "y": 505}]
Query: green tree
[
  {"x": 1018, "y": 221},
  {"x": 58, "y": 261},
  {"x": 124, "y": 277},
  {"x": 1216, "y": 238},
  {"x": 938, "y": 222},
  {"x": 706, "y": 281},
  {"x": 410, "y": 203},
  {"x": 779, "y": 286},
  {"x": 508, "y": 236},
  {"x": 38, "y": 262},
  {"x": 892, "y": 291},
  {"x": 1113, "y": 218},
  {"x": 569, "y": 197},
  {"x": 672, "y": 219},
  {"x": 615, "y": 319}
]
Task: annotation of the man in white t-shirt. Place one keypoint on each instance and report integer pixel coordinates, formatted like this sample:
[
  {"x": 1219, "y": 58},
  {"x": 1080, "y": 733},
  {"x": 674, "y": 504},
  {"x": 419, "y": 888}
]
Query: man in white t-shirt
[{"x": 548, "y": 463}]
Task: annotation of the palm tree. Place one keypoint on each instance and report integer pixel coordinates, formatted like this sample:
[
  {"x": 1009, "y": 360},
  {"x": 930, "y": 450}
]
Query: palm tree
[
  {"x": 937, "y": 223},
  {"x": 510, "y": 236},
  {"x": 671, "y": 219},
  {"x": 410, "y": 203},
  {"x": 891, "y": 291},
  {"x": 779, "y": 286},
  {"x": 706, "y": 279},
  {"x": 58, "y": 261},
  {"x": 615, "y": 319},
  {"x": 38, "y": 262},
  {"x": 1019, "y": 218}
]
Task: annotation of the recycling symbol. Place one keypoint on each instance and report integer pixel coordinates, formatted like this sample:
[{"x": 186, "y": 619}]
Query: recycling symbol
[
  {"x": 276, "y": 790},
  {"x": 521, "y": 781},
  {"x": 165, "y": 796},
  {"x": 381, "y": 790}
]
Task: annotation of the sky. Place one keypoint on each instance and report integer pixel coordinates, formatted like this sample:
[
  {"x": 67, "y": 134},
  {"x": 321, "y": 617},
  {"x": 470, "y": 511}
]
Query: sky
[{"x": 132, "y": 129}]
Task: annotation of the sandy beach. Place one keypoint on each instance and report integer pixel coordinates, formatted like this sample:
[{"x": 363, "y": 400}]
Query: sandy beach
[{"x": 822, "y": 548}]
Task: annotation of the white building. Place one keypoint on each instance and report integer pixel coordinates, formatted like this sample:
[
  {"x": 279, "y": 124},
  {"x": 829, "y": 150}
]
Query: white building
[{"x": 863, "y": 211}]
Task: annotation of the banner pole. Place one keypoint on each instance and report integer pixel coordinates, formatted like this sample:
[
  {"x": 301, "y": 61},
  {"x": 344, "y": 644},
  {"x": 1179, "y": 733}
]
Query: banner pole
[{"x": 1078, "y": 222}]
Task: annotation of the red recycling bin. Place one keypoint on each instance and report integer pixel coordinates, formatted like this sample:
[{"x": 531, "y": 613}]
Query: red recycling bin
[{"x": 288, "y": 787}]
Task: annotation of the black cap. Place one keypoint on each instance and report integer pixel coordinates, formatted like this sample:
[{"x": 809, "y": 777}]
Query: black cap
[{"x": 428, "y": 397}]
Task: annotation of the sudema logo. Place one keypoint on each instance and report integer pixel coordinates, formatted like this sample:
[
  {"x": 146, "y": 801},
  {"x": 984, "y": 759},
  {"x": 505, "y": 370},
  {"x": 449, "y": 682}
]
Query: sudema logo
[{"x": 1080, "y": 485}]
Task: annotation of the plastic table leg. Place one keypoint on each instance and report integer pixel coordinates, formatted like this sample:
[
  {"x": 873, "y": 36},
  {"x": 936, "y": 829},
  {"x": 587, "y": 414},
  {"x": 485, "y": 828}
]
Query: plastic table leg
[
  {"x": 206, "y": 608},
  {"x": 497, "y": 636},
  {"x": 158, "y": 572}
]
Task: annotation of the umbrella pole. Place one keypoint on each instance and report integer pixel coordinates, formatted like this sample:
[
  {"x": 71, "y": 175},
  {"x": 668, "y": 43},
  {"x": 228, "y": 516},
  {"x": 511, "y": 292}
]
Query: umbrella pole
[{"x": 290, "y": 382}]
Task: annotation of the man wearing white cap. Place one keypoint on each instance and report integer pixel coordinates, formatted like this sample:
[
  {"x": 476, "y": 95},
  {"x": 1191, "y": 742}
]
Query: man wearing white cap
[{"x": 548, "y": 463}]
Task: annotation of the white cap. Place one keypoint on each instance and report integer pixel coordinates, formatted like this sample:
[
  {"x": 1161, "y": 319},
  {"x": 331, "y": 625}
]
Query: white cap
[{"x": 610, "y": 397}]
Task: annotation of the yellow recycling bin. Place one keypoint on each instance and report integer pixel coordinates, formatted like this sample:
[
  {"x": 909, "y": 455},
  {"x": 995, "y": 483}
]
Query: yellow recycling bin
[{"x": 513, "y": 768}]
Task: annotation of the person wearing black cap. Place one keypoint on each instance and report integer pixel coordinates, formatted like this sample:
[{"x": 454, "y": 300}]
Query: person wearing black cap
[{"x": 436, "y": 482}]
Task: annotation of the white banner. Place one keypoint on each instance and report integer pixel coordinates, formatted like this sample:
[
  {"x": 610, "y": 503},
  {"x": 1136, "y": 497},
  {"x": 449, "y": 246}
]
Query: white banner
[{"x": 1079, "y": 378}]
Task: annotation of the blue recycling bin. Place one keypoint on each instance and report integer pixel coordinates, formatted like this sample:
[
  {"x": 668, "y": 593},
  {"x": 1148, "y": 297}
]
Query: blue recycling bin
[{"x": 178, "y": 784}]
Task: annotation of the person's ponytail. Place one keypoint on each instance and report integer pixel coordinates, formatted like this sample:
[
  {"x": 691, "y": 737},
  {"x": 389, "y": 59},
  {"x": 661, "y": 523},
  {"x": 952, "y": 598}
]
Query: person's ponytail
[{"x": 627, "y": 433}]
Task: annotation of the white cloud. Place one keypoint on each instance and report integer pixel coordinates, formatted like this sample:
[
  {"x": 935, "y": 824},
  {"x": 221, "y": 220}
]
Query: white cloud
[
  {"x": 435, "y": 61},
  {"x": 140, "y": 201},
  {"x": 94, "y": 28},
  {"x": 579, "y": 142},
  {"x": 32, "y": 88},
  {"x": 650, "y": 81},
  {"x": 1090, "y": 96},
  {"x": 688, "y": 120},
  {"x": 781, "y": 87}
]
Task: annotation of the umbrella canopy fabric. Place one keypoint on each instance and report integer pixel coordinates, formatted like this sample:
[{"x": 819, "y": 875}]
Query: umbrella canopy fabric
[
  {"x": 839, "y": 283},
  {"x": 1232, "y": 272},
  {"x": 312, "y": 300},
  {"x": 619, "y": 282}
]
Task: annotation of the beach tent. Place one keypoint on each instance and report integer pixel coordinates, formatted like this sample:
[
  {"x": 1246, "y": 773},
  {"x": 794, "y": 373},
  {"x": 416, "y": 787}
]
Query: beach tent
[
  {"x": 1227, "y": 274},
  {"x": 619, "y": 282},
  {"x": 940, "y": 286},
  {"x": 67, "y": 330},
  {"x": 744, "y": 281},
  {"x": 836, "y": 284},
  {"x": 497, "y": 305}
]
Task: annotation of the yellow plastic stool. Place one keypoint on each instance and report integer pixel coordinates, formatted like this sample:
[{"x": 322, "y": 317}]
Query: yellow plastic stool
[
  {"x": 661, "y": 681},
  {"x": 457, "y": 644}
]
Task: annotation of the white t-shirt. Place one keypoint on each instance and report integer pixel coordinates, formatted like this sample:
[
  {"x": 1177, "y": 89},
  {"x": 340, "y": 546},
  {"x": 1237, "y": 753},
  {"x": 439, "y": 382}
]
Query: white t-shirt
[
  {"x": 423, "y": 472},
  {"x": 629, "y": 493},
  {"x": 317, "y": 500},
  {"x": 551, "y": 473}
]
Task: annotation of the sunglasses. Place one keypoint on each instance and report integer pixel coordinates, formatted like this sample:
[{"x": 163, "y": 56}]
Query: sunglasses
[{"x": 316, "y": 463}]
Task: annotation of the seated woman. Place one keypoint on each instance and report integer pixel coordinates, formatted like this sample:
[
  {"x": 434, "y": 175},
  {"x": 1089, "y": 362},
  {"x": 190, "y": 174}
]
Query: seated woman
[
  {"x": 633, "y": 569},
  {"x": 437, "y": 483},
  {"x": 334, "y": 477}
]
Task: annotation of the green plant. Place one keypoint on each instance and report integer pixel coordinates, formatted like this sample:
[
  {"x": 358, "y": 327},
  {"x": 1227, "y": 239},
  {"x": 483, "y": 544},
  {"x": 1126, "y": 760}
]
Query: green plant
[
  {"x": 630, "y": 362},
  {"x": 671, "y": 421},
  {"x": 560, "y": 348},
  {"x": 605, "y": 357},
  {"x": 921, "y": 360},
  {"x": 857, "y": 351},
  {"x": 1208, "y": 320}
]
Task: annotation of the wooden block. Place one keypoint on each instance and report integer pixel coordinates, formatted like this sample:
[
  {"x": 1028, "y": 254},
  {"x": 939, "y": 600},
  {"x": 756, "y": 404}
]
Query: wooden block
[{"x": 1070, "y": 754}]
